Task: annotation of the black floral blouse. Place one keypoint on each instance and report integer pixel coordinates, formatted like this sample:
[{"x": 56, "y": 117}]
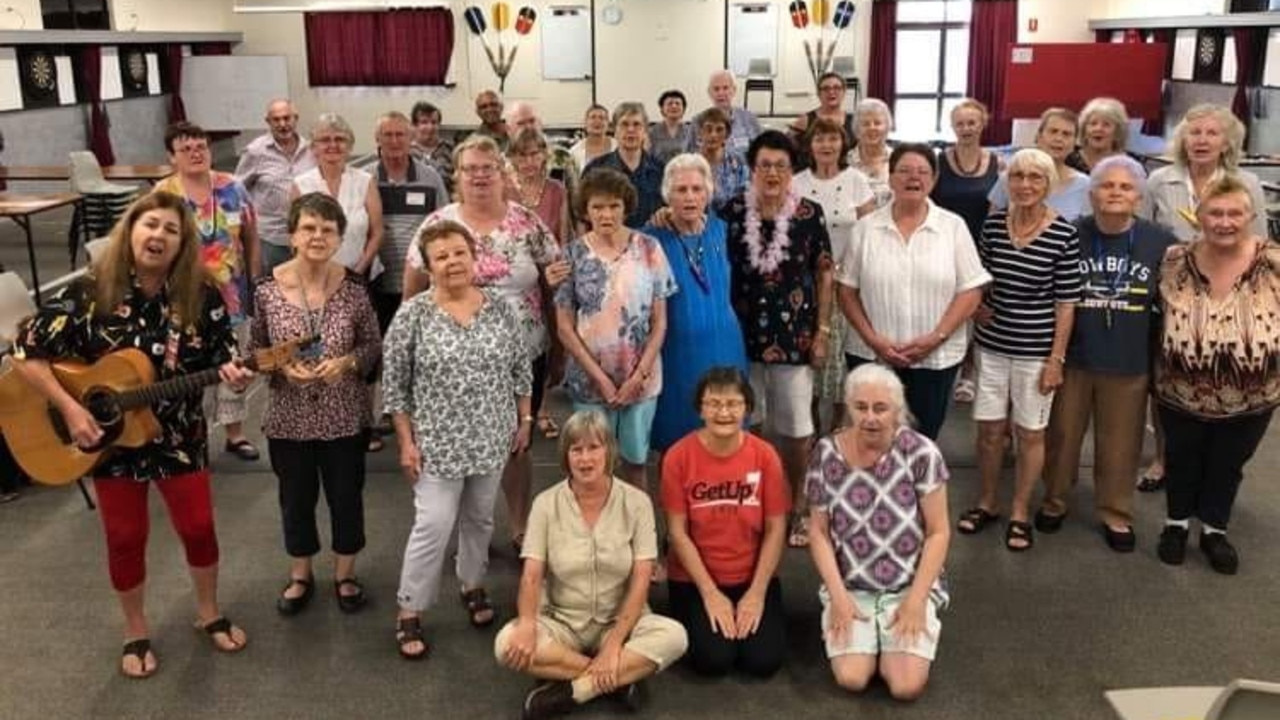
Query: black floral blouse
[
  {"x": 778, "y": 311},
  {"x": 65, "y": 328}
]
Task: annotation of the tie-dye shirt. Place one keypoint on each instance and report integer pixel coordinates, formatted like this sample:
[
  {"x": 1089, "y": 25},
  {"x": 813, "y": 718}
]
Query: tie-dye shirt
[
  {"x": 613, "y": 302},
  {"x": 221, "y": 223}
]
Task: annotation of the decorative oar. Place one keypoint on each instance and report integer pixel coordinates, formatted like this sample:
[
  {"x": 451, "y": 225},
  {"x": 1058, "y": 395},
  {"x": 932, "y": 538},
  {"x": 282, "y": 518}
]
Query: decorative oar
[
  {"x": 476, "y": 24},
  {"x": 842, "y": 19},
  {"x": 820, "y": 15},
  {"x": 800, "y": 20}
]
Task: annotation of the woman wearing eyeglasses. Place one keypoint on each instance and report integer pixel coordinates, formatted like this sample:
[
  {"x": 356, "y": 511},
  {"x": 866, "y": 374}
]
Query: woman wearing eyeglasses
[
  {"x": 513, "y": 251},
  {"x": 831, "y": 92},
  {"x": 726, "y": 499}
]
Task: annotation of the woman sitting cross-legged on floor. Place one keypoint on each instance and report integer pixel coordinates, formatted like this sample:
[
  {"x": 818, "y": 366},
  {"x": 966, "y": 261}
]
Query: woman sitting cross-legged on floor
[
  {"x": 592, "y": 540},
  {"x": 727, "y": 500},
  {"x": 878, "y": 533}
]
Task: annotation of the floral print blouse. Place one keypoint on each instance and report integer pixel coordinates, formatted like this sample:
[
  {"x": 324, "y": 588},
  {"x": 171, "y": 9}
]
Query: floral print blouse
[
  {"x": 458, "y": 383},
  {"x": 67, "y": 329},
  {"x": 779, "y": 310},
  {"x": 346, "y": 325},
  {"x": 222, "y": 222},
  {"x": 1219, "y": 358},
  {"x": 613, "y": 300},
  {"x": 509, "y": 260}
]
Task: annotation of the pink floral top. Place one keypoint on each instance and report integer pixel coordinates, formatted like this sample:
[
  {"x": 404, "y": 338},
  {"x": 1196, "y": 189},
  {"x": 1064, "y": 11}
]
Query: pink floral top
[
  {"x": 509, "y": 260},
  {"x": 346, "y": 324}
]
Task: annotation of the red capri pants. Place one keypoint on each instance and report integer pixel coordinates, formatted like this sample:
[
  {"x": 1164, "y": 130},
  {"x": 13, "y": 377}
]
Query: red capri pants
[{"x": 123, "y": 505}]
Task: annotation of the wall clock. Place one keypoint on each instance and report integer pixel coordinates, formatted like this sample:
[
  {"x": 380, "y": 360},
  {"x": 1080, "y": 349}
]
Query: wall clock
[{"x": 612, "y": 14}]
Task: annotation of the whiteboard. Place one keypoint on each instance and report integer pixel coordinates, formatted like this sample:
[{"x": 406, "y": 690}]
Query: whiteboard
[
  {"x": 753, "y": 35},
  {"x": 231, "y": 92},
  {"x": 1271, "y": 70},
  {"x": 566, "y": 42},
  {"x": 1184, "y": 55}
]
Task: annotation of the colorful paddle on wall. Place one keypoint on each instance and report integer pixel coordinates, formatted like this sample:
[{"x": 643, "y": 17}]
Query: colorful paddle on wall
[
  {"x": 499, "y": 21},
  {"x": 808, "y": 20}
]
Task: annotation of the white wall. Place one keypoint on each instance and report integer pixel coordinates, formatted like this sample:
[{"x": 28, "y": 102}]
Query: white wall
[
  {"x": 25, "y": 10},
  {"x": 1058, "y": 21},
  {"x": 174, "y": 15},
  {"x": 1161, "y": 8}
]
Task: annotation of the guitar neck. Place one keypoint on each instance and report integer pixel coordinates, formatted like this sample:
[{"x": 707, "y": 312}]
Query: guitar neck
[{"x": 168, "y": 389}]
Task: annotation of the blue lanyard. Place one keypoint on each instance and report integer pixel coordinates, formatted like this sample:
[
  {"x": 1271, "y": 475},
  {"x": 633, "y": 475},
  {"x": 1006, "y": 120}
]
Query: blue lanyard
[{"x": 1122, "y": 268}]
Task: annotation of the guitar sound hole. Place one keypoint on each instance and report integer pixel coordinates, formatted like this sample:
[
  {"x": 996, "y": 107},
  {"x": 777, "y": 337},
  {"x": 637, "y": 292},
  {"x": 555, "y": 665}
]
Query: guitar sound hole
[{"x": 102, "y": 405}]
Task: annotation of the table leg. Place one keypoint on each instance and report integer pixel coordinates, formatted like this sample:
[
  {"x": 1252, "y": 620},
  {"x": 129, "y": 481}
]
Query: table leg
[{"x": 24, "y": 222}]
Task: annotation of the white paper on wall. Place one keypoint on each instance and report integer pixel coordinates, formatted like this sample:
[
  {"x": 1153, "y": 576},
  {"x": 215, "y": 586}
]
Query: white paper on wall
[
  {"x": 153, "y": 74},
  {"x": 1184, "y": 55},
  {"x": 753, "y": 35},
  {"x": 66, "y": 80},
  {"x": 10, "y": 84},
  {"x": 1271, "y": 70},
  {"x": 111, "y": 86},
  {"x": 566, "y": 42},
  {"x": 1229, "y": 61}
]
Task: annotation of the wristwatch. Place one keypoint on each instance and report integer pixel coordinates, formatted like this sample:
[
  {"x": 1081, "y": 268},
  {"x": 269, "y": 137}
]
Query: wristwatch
[{"x": 526, "y": 419}]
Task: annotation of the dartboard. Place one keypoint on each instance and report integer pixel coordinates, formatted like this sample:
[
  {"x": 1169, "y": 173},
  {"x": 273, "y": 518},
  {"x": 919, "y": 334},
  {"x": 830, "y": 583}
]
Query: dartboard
[
  {"x": 1208, "y": 49},
  {"x": 41, "y": 74},
  {"x": 136, "y": 69}
]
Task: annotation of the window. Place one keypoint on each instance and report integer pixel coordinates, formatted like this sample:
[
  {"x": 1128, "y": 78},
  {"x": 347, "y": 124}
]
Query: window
[
  {"x": 75, "y": 14},
  {"x": 932, "y": 68}
]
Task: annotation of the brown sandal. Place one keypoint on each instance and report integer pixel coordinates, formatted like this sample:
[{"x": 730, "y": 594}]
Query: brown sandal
[
  {"x": 476, "y": 601},
  {"x": 409, "y": 630}
]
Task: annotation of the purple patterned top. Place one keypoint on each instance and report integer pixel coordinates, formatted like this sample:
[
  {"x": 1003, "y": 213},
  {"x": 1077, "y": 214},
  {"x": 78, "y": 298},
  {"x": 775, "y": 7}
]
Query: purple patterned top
[
  {"x": 347, "y": 324},
  {"x": 874, "y": 517}
]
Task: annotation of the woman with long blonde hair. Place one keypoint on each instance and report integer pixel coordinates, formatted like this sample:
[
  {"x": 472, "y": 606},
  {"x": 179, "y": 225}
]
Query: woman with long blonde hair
[{"x": 148, "y": 291}]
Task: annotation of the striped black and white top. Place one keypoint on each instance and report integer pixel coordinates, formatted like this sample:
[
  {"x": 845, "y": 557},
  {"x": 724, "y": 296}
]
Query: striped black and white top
[{"x": 1028, "y": 282}]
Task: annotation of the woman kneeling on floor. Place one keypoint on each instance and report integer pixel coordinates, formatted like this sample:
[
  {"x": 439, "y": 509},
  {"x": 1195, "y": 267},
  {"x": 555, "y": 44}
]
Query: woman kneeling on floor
[
  {"x": 878, "y": 534},
  {"x": 592, "y": 539},
  {"x": 727, "y": 501}
]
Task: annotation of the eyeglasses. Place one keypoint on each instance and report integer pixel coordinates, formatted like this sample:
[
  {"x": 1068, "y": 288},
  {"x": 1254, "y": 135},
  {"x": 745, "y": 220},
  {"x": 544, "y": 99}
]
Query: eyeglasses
[
  {"x": 717, "y": 406},
  {"x": 919, "y": 172},
  {"x": 486, "y": 169},
  {"x": 1031, "y": 178},
  {"x": 331, "y": 140},
  {"x": 201, "y": 149},
  {"x": 780, "y": 167}
]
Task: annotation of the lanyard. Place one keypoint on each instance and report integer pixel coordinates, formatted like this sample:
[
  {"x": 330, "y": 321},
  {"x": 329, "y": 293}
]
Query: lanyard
[
  {"x": 315, "y": 318},
  {"x": 696, "y": 261},
  {"x": 1122, "y": 269}
]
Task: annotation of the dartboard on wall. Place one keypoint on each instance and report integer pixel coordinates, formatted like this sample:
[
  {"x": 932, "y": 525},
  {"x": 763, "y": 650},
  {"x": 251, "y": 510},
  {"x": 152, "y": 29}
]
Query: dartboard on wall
[
  {"x": 133, "y": 71},
  {"x": 39, "y": 77},
  {"x": 1208, "y": 64}
]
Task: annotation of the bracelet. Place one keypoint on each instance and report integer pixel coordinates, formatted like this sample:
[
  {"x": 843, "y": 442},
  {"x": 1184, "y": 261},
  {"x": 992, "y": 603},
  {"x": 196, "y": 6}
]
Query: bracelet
[
  {"x": 1061, "y": 360},
  {"x": 526, "y": 419},
  {"x": 941, "y": 336},
  {"x": 824, "y": 328}
]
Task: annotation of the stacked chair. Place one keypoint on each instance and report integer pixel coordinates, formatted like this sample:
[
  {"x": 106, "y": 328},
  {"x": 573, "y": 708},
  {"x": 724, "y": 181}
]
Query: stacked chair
[{"x": 104, "y": 201}]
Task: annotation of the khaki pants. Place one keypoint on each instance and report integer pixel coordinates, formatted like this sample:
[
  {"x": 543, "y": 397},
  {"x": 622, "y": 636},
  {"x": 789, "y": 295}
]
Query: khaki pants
[
  {"x": 655, "y": 638},
  {"x": 1115, "y": 405}
]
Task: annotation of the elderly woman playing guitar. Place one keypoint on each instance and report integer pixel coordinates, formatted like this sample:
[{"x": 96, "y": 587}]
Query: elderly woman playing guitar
[{"x": 149, "y": 292}]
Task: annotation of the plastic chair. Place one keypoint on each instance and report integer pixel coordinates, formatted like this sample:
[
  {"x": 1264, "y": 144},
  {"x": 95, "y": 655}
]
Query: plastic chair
[
  {"x": 760, "y": 79},
  {"x": 103, "y": 201},
  {"x": 1247, "y": 700}
]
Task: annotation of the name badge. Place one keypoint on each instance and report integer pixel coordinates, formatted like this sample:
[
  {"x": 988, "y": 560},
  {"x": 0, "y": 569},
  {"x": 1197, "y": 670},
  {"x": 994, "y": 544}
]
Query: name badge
[
  {"x": 233, "y": 218},
  {"x": 415, "y": 198}
]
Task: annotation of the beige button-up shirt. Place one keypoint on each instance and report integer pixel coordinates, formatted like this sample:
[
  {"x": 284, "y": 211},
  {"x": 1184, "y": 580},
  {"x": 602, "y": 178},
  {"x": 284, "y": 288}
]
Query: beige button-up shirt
[{"x": 589, "y": 569}]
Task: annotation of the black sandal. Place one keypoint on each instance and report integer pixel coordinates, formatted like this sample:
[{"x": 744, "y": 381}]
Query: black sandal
[
  {"x": 476, "y": 601},
  {"x": 1019, "y": 530},
  {"x": 977, "y": 518},
  {"x": 290, "y": 606},
  {"x": 1048, "y": 522},
  {"x": 1150, "y": 484},
  {"x": 138, "y": 648},
  {"x": 349, "y": 603},
  {"x": 221, "y": 626},
  {"x": 409, "y": 630}
]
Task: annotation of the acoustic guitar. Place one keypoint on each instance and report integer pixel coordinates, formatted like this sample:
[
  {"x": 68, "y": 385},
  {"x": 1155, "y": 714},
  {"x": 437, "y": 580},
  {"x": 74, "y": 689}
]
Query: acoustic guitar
[{"x": 119, "y": 391}]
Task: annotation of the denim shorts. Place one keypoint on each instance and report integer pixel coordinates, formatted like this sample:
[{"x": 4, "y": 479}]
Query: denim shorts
[{"x": 631, "y": 425}]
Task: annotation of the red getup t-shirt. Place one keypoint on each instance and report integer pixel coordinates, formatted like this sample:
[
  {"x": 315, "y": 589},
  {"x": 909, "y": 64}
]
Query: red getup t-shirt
[{"x": 726, "y": 500}]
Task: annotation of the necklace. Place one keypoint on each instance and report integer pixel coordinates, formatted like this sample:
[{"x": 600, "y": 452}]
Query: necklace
[
  {"x": 766, "y": 260},
  {"x": 968, "y": 172},
  {"x": 315, "y": 318},
  {"x": 1021, "y": 236},
  {"x": 530, "y": 200}
]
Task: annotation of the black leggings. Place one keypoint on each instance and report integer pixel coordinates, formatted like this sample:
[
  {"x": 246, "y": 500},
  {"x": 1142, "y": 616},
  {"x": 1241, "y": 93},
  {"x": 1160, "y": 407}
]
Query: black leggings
[
  {"x": 1204, "y": 462},
  {"x": 304, "y": 466},
  {"x": 759, "y": 655}
]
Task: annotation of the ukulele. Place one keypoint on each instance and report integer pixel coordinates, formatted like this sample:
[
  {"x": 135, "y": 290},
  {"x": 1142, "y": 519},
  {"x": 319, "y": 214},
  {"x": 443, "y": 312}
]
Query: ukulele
[{"x": 119, "y": 390}]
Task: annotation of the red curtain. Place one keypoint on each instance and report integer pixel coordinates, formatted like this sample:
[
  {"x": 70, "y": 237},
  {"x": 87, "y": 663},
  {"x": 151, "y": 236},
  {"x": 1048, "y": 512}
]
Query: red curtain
[
  {"x": 1249, "y": 45},
  {"x": 1102, "y": 36},
  {"x": 99, "y": 127},
  {"x": 881, "y": 80},
  {"x": 211, "y": 48},
  {"x": 400, "y": 47},
  {"x": 173, "y": 67},
  {"x": 992, "y": 29}
]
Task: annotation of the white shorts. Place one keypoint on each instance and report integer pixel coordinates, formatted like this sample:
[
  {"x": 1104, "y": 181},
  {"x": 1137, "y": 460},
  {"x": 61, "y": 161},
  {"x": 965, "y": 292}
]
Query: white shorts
[
  {"x": 875, "y": 635},
  {"x": 783, "y": 397},
  {"x": 1005, "y": 381}
]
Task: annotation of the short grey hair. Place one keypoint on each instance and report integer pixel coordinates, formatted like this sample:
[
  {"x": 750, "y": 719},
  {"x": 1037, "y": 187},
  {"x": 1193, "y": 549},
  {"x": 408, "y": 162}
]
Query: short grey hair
[
  {"x": 1111, "y": 110},
  {"x": 1119, "y": 162},
  {"x": 624, "y": 109},
  {"x": 583, "y": 425},
  {"x": 1232, "y": 129},
  {"x": 390, "y": 116},
  {"x": 681, "y": 163},
  {"x": 519, "y": 107},
  {"x": 480, "y": 143},
  {"x": 879, "y": 375},
  {"x": 872, "y": 106},
  {"x": 1036, "y": 160},
  {"x": 332, "y": 121}
]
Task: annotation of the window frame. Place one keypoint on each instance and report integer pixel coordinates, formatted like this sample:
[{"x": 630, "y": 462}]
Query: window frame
[{"x": 942, "y": 27}]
